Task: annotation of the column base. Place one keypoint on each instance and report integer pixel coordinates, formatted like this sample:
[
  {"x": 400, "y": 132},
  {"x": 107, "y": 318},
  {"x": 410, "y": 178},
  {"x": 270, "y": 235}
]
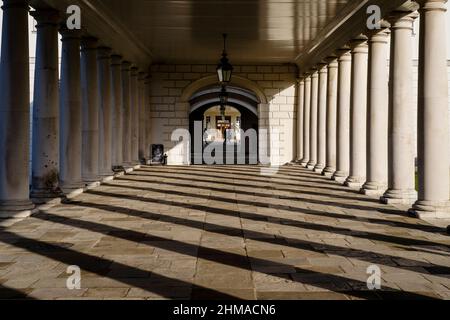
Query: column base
[
  {"x": 311, "y": 165},
  {"x": 423, "y": 209},
  {"x": 328, "y": 172},
  {"x": 16, "y": 209},
  {"x": 304, "y": 162},
  {"x": 406, "y": 197},
  {"x": 319, "y": 168},
  {"x": 354, "y": 182},
  {"x": 373, "y": 189},
  {"x": 41, "y": 196},
  {"x": 340, "y": 176}
]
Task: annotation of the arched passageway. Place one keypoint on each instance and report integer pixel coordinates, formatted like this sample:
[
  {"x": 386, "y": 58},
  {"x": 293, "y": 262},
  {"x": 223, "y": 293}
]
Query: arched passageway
[{"x": 231, "y": 138}]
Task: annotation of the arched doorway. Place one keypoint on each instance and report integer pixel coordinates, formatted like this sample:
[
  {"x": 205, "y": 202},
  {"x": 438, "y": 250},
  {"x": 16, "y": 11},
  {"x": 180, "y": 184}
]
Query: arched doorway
[{"x": 229, "y": 139}]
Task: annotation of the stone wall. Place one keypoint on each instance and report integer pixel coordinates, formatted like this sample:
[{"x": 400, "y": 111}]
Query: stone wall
[{"x": 169, "y": 108}]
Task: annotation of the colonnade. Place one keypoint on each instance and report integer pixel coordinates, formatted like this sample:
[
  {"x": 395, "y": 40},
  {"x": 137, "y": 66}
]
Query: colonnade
[
  {"x": 365, "y": 127},
  {"x": 86, "y": 122}
]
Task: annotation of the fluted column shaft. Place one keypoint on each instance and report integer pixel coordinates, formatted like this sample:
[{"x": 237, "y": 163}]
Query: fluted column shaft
[
  {"x": 313, "y": 120},
  {"x": 377, "y": 115},
  {"x": 142, "y": 117},
  {"x": 117, "y": 102},
  {"x": 134, "y": 116},
  {"x": 332, "y": 88},
  {"x": 433, "y": 143},
  {"x": 401, "y": 179},
  {"x": 70, "y": 112},
  {"x": 322, "y": 120},
  {"x": 358, "y": 115},
  {"x": 90, "y": 109},
  {"x": 105, "y": 111},
  {"x": 45, "y": 146},
  {"x": 126, "y": 114},
  {"x": 300, "y": 116},
  {"x": 343, "y": 116},
  {"x": 306, "y": 122},
  {"x": 14, "y": 111}
]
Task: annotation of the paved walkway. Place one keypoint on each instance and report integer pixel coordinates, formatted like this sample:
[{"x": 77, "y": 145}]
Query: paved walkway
[{"x": 223, "y": 232}]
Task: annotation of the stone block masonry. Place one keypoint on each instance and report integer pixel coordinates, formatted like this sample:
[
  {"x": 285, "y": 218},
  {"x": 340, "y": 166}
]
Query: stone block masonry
[{"x": 170, "y": 111}]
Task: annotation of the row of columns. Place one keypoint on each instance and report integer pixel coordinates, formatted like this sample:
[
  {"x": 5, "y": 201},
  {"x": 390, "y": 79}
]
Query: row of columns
[
  {"x": 356, "y": 121},
  {"x": 85, "y": 124}
]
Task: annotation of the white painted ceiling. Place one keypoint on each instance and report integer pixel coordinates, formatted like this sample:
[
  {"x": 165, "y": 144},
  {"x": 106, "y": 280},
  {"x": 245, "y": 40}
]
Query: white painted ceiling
[{"x": 259, "y": 31}]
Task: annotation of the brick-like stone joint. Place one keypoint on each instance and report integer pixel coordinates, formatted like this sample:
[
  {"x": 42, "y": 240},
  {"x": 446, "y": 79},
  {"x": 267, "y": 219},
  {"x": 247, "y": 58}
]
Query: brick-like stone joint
[
  {"x": 331, "y": 116},
  {"x": 401, "y": 164},
  {"x": 14, "y": 111},
  {"x": 90, "y": 109},
  {"x": 126, "y": 114},
  {"x": 70, "y": 113},
  {"x": 117, "y": 112},
  {"x": 322, "y": 119},
  {"x": 343, "y": 116},
  {"x": 433, "y": 153},
  {"x": 358, "y": 115},
  {"x": 313, "y": 120},
  {"x": 134, "y": 84},
  {"x": 377, "y": 114},
  {"x": 45, "y": 140},
  {"x": 105, "y": 111}
]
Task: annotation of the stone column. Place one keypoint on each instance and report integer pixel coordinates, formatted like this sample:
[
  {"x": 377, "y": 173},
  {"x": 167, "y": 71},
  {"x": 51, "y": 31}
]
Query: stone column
[
  {"x": 377, "y": 115},
  {"x": 322, "y": 120},
  {"x": 433, "y": 142},
  {"x": 147, "y": 83},
  {"x": 15, "y": 111},
  {"x": 105, "y": 111},
  {"x": 45, "y": 145},
  {"x": 142, "y": 117},
  {"x": 90, "y": 109},
  {"x": 126, "y": 113},
  {"x": 332, "y": 88},
  {"x": 306, "y": 121},
  {"x": 343, "y": 116},
  {"x": 117, "y": 121},
  {"x": 358, "y": 114},
  {"x": 134, "y": 116},
  {"x": 313, "y": 120},
  {"x": 401, "y": 179},
  {"x": 300, "y": 116},
  {"x": 70, "y": 112}
]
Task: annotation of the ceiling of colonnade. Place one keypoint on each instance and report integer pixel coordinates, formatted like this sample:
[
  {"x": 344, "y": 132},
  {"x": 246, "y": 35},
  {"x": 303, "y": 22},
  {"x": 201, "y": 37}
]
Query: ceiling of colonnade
[
  {"x": 190, "y": 31},
  {"x": 259, "y": 31}
]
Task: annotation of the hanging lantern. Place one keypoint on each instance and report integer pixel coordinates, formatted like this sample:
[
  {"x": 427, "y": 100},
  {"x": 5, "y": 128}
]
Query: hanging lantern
[{"x": 224, "y": 69}]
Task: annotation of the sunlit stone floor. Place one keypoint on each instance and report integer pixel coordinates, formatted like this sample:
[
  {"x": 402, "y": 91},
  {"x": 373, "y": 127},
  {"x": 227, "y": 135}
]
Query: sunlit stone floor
[{"x": 223, "y": 232}]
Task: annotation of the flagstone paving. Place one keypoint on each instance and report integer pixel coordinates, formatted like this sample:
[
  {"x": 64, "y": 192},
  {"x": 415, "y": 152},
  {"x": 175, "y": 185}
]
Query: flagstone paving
[{"x": 223, "y": 232}]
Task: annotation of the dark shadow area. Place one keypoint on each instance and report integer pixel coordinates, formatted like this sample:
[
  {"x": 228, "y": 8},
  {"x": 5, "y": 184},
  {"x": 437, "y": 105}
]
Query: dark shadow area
[
  {"x": 218, "y": 256},
  {"x": 155, "y": 283},
  {"x": 13, "y": 294},
  {"x": 259, "y": 217},
  {"x": 370, "y": 257},
  {"x": 425, "y": 228}
]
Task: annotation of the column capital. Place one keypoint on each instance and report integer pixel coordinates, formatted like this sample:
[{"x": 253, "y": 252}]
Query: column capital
[
  {"x": 142, "y": 76},
  {"x": 432, "y": 5},
  {"x": 402, "y": 19},
  {"x": 126, "y": 65},
  {"x": 46, "y": 17},
  {"x": 359, "y": 44},
  {"x": 89, "y": 43},
  {"x": 116, "y": 60},
  {"x": 16, "y": 4},
  {"x": 344, "y": 53},
  {"x": 323, "y": 68},
  {"x": 104, "y": 53},
  {"x": 332, "y": 62},
  {"x": 134, "y": 71},
  {"x": 379, "y": 35},
  {"x": 67, "y": 34}
]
